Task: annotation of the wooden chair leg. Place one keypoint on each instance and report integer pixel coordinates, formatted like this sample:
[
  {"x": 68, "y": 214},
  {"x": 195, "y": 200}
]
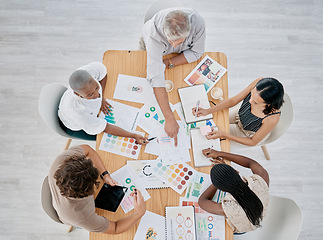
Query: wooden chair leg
[
  {"x": 265, "y": 151},
  {"x": 68, "y": 143},
  {"x": 70, "y": 229}
]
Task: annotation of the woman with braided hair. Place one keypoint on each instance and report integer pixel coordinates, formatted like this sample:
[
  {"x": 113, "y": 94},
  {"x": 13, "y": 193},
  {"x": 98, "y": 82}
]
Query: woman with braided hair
[{"x": 246, "y": 200}]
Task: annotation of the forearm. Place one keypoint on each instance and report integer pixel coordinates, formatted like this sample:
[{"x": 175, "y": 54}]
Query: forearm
[
  {"x": 123, "y": 224},
  {"x": 103, "y": 83},
  {"x": 206, "y": 203},
  {"x": 238, "y": 159},
  {"x": 177, "y": 60},
  {"x": 243, "y": 140},
  {"x": 162, "y": 99},
  {"x": 116, "y": 131},
  {"x": 225, "y": 104}
]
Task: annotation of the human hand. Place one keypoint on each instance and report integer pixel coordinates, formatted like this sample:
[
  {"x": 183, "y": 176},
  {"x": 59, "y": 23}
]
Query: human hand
[
  {"x": 200, "y": 112},
  {"x": 140, "y": 139},
  {"x": 106, "y": 107},
  {"x": 108, "y": 180},
  {"x": 215, "y": 134},
  {"x": 138, "y": 202},
  {"x": 171, "y": 128}
]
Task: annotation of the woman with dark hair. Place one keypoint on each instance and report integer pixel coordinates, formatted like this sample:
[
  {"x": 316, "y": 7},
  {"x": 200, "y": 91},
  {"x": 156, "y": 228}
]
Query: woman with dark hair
[
  {"x": 257, "y": 116},
  {"x": 246, "y": 199}
]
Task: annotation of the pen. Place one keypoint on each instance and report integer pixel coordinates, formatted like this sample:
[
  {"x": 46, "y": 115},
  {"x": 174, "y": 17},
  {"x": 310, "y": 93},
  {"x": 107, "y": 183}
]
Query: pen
[
  {"x": 150, "y": 139},
  {"x": 197, "y": 107}
]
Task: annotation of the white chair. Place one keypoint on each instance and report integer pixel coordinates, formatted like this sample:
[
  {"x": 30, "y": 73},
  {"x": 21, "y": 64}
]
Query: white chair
[
  {"x": 160, "y": 5},
  {"x": 48, "y": 103},
  {"x": 285, "y": 121},
  {"x": 283, "y": 221},
  {"x": 46, "y": 202}
]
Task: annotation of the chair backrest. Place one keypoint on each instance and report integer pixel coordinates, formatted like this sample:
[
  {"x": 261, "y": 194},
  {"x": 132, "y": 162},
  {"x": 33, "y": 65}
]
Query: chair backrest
[
  {"x": 46, "y": 201},
  {"x": 48, "y": 103},
  {"x": 158, "y": 6},
  {"x": 282, "y": 222},
  {"x": 285, "y": 120}
]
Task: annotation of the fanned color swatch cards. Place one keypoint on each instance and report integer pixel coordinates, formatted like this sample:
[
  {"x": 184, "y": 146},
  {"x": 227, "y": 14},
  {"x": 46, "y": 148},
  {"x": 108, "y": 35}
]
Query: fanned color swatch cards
[
  {"x": 123, "y": 146},
  {"x": 176, "y": 176},
  {"x": 145, "y": 174},
  {"x": 127, "y": 178},
  {"x": 122, "y": 115},
  {"x": 151, "y": 227},
  {"x": 133, "y": 89},
  {"x": 180, "y": 223},
  {"x": 208, "y": 72}
]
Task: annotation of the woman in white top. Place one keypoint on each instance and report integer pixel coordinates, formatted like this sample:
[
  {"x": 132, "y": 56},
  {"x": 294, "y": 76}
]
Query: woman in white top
[{"x": 246, "y": 199}]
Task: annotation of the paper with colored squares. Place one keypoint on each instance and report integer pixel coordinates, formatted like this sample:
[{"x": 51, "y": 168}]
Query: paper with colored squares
[{"x": 123, "y": 146}]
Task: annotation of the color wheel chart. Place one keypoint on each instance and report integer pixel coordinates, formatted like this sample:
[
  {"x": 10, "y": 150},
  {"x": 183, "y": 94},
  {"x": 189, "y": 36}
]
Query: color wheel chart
[
  {"x": 123, "y": 146},
  {"x": 177, "y": 176}
]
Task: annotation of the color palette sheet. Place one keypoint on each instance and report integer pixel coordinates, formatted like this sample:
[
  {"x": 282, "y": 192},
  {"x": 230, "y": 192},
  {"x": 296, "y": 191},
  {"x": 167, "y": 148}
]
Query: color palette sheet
[
  {"x": 127, "y": 178},
  {"x": 123, "y": 146},
  {"x": 176, "y": 176},
  {"x": 145, "y": 174},
  {"x": 122, "y": 115}
]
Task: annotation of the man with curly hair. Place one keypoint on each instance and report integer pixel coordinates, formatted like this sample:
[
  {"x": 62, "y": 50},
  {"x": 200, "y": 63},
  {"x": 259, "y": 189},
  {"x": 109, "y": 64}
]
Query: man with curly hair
[{"x": 72, "y": 178}]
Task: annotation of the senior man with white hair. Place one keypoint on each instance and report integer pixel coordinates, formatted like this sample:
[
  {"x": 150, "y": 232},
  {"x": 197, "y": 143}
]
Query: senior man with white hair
[
  {"x": 172, "y": 30},
  {"x": 82, "y": 101}
]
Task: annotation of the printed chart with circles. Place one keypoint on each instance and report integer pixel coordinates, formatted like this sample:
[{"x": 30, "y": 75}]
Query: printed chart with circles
[
  {"x": 177, "y": 176},
  {"x": 182, "y": 222},
  {"x": 123, "y": 146},
  {"x": 209, "y": 226},
  {"x": 154, "y": 113}
]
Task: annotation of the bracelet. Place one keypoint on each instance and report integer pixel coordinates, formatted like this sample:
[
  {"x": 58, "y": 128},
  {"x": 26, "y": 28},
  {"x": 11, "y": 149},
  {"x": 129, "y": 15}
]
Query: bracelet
[{"x": 104, "y": 173}]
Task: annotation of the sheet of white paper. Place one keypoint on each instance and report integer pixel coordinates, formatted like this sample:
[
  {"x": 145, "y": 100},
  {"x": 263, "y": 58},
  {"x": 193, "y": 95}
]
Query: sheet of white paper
[
  {"x": 152, "y": 147},
  {"x": 151, "y": 227},
  {"x": 126, "y": 177},
  {"x": 123, "y": 116},
  {"x": 123, "y": 146},
  {"x": 167, "y": 150},
  {"x": 133, "y": 89},
  {"x": 200, "y": 142},
  {"x": 208, "y": 72},
  {"x": 145, "y": 174}
]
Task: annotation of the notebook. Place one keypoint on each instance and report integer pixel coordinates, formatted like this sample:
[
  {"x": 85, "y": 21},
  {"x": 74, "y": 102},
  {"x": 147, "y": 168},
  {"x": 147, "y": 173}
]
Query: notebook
[
  {"x": 180, "y": 223},
  {"x": 200, "y": 142},
  {"x": 190, "y": 96}
]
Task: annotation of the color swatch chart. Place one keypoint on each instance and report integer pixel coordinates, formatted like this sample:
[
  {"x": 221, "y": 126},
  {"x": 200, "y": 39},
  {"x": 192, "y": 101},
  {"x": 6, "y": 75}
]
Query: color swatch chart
[
  {"x": 123, "y": 146},
  {"x": 177, "y": 176}
]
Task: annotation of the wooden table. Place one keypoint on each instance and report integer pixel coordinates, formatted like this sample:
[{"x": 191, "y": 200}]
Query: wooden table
[{"x": 134, "y": 63}]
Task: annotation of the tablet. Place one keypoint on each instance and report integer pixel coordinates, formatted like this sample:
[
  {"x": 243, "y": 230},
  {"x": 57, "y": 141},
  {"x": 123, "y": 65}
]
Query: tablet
[{"x": 110, "y": 197}]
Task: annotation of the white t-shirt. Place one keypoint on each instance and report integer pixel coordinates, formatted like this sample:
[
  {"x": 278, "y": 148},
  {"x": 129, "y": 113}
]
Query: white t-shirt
[{"x": 78, "y": 113}]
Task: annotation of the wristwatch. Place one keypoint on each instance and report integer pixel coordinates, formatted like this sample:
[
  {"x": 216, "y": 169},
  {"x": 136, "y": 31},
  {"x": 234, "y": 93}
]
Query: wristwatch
[
  {"x": 170, "y": 64},
  {"x": 104, "y": 173}
]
